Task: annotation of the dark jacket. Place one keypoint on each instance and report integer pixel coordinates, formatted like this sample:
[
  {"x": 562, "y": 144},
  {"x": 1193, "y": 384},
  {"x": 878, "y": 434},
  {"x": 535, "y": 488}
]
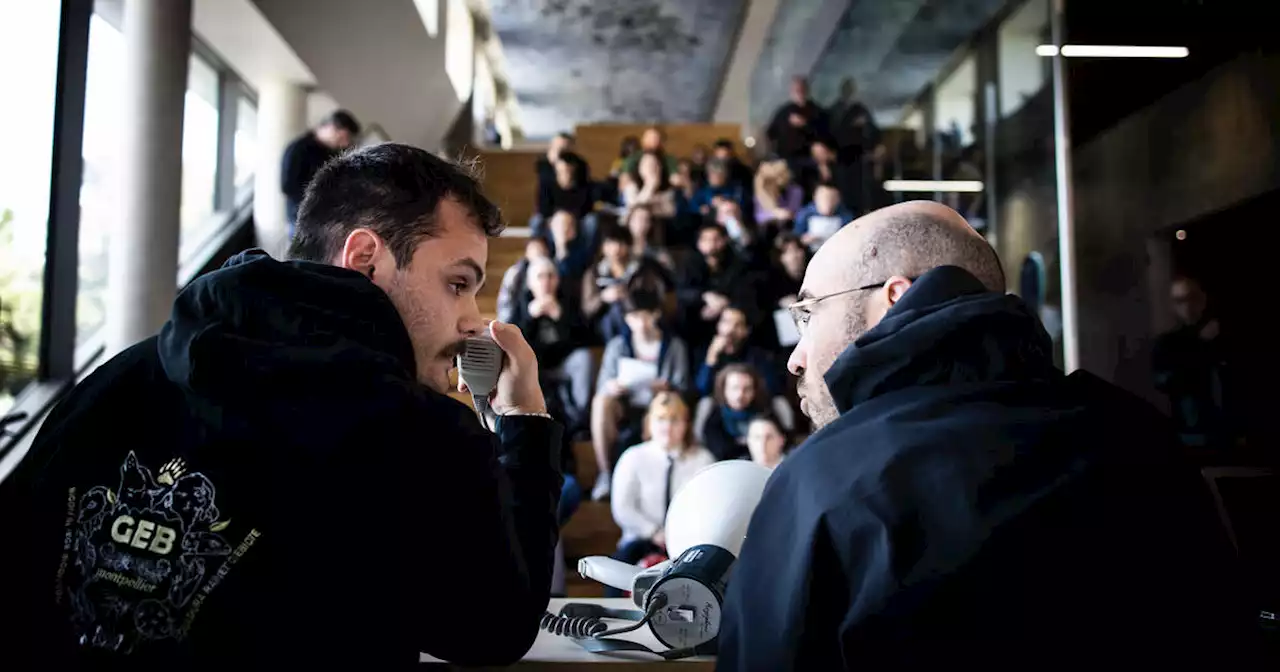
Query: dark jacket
[
  {"x": 792, "y": 142},
  {"x": 1198, "y": 376},
  {"x": 266, "y": 480},
  {"x": 550, "y": 197},
  {"x": 974, "y": 507},
  {"x": 757, "y": 358},
  {"x": 732, "y": 280},
  {"x": 717, "y": 438},
  {"x": 552, "y": 340},
  {"x": 579, "y": 200},
  {"x": 303, "y": 158}
]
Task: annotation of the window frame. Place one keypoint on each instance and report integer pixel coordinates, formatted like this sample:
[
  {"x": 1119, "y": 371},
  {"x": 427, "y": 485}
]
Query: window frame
[
  {"x": 227, "y": 200},
  {"x": 56, "y": 368},
  {"x": 249, "y": 96},
  {"x": 61, "y": 364}
]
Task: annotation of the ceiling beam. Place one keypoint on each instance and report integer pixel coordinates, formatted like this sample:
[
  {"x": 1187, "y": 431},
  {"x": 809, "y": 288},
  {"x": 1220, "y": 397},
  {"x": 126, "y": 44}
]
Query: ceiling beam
[
  {"x": 797, "y": 39},
  {"x": 733, "y": 105}
]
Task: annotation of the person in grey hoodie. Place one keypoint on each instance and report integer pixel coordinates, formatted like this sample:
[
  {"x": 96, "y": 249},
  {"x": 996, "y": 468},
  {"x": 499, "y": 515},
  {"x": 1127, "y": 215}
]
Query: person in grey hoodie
[{"x": 617, "y": 408}]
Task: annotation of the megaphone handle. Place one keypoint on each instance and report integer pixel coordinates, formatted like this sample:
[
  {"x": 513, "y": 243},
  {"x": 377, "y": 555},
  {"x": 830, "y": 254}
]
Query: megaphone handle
[{"x": 608, "y": 571}]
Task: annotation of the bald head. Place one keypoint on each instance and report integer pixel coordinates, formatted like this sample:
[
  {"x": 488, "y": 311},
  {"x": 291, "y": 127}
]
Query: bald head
[
  {"x": 863, "y": 270},
  {"x": 909, "y": 239}
]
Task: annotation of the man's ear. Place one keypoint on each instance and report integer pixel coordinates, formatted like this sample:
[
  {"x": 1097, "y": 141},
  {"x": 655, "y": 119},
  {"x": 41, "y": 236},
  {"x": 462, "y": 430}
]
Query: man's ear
[
  {"x": 361, "y": 252},
  {"x": 897, "y": 286}
]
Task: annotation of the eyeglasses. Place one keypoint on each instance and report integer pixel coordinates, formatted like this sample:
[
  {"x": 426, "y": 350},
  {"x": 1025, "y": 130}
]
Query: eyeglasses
[{"x": 800, "y": 310}]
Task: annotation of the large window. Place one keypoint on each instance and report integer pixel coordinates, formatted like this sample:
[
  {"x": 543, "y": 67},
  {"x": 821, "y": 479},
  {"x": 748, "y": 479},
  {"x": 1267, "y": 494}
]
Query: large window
[
  {"x": 460, "y": 48},
  {"x": 246, "y": 141},
  {"x": 1022, "y": 73},
  {"x": 199, "y": 152},
  {"x": 99, "y": 193},
  {"x": 28, "y": 75},
  {"x": 99, "y": 201},
  {"x": 53, "y": 303},
  {"x": 955, "y": 105}
]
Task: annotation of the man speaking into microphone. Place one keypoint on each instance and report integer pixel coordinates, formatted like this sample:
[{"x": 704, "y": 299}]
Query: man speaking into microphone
[{"x": 280, "y": 475}]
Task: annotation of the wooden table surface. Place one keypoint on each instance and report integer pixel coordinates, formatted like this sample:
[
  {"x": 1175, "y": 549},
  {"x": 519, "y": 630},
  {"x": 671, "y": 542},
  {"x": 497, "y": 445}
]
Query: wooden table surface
[{"x": 552, "y": 652}]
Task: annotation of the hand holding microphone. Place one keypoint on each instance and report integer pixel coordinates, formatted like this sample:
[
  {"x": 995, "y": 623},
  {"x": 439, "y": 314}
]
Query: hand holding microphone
[{"x": 516, "y": 390}]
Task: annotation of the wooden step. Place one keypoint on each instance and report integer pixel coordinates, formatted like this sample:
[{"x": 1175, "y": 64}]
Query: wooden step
[
  {"x": 585, "y": 457},
  {"x": 591, "y": 531},
  {"x": 576, "y": 586}
]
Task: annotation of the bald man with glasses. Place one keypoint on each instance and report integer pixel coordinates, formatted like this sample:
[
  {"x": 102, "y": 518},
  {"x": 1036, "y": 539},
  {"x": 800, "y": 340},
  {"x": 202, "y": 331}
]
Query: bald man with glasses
[{"x": 963, "y": 501}]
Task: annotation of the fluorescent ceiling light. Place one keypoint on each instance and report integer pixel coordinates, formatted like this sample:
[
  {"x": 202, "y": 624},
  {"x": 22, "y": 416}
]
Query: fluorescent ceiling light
[
  {"x": 933, "y": 185},
  {"x": 1105, "y": 51}
]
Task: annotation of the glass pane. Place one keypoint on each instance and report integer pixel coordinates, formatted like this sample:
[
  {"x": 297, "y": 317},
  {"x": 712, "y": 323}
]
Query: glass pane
[
  {"x": 199, "y": 152},
  {"x": 29, "y": 68},
  {"x": 962, "y": 159},
  {"x": 1023, "y": 74},
  {"x": 246, "y": 149},
  {"x": 98, "y": 193},
  {"x": 1023, "y": 203}
]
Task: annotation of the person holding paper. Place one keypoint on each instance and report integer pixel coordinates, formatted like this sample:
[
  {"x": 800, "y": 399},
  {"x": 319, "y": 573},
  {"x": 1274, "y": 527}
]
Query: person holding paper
[
  {"x": 642, "y": 360},
  {"x": 819, "y": 220},
  {"x": 783, "y": 284}
]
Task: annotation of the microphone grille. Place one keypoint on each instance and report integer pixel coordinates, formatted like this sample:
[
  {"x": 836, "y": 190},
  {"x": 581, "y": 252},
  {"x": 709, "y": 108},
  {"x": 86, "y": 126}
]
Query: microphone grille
[
  {"x": 479, "y": 364},
  {"x": 481, "y": 353}
]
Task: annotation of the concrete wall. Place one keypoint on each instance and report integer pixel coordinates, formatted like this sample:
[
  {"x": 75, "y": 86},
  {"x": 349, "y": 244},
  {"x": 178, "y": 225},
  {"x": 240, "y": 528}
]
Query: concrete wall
[{"x": 377, "y": 59}]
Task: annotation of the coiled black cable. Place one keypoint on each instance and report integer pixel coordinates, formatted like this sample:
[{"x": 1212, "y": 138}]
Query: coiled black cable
[{"x": 572, "y": 626}]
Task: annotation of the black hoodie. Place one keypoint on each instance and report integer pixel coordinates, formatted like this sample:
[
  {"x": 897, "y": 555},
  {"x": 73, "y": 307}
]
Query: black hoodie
[
  {"x": 972, "y": 506},
  {"x": 266, "y": 480}
]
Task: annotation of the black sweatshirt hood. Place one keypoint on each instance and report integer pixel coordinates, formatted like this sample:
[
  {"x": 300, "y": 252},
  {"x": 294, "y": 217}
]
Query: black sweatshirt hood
[
  {"x": 261, "y": 323},
  {"x": 947, "y": 329}
]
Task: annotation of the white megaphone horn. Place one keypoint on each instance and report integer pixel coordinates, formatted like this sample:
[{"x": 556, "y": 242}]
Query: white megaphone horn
[{"x": 705, "y": 527}]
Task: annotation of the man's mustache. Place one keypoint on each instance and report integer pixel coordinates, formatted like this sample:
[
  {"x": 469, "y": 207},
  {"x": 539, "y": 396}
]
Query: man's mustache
[{"x": 455, "y": 350}]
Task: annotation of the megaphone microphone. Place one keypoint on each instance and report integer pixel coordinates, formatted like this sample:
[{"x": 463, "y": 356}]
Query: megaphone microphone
[{"x": 479, "y": 365}]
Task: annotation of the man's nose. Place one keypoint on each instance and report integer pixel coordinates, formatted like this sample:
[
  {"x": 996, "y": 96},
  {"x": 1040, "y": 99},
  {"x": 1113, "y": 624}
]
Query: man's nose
[
  {"x": 470, "y": 323},
  {"x": 798, "y": 359}
]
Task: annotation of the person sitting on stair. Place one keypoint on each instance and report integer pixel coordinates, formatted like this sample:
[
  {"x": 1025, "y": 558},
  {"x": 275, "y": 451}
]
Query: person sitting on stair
[
  {"x": 643, "y": 360},
  {"x": 553, "y": 325},
  {"x": 649, "y": 475}
]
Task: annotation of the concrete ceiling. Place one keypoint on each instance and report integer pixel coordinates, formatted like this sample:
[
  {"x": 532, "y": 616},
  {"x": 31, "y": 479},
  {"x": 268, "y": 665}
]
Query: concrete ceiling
[
  {"x": 238, "y": 32},
  {"x": 572, "y": 61},
  {"x": 377, "y": 59},
  {"x": 801, "y": 29},
  {"x": 895, "y": 48}
]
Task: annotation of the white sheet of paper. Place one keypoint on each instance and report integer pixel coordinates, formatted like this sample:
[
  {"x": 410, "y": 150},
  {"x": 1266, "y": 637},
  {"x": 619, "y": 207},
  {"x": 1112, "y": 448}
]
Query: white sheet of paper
[
  {"x": 787, "y": 333},
  {"x": 734, "y": 227},
  {"x": 823, "y": 227},
  {"x": 637, "y": 376}
]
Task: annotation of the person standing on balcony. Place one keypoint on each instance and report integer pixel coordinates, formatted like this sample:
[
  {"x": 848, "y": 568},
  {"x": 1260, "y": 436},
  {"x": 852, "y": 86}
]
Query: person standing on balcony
[{"x": 304, "y": 157}]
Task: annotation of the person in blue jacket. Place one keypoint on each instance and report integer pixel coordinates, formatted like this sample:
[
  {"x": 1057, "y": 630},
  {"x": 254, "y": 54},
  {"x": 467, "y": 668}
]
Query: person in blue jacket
[
  {"x": 963, "y": 502},
  {"x": 826, "y": 205}
]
